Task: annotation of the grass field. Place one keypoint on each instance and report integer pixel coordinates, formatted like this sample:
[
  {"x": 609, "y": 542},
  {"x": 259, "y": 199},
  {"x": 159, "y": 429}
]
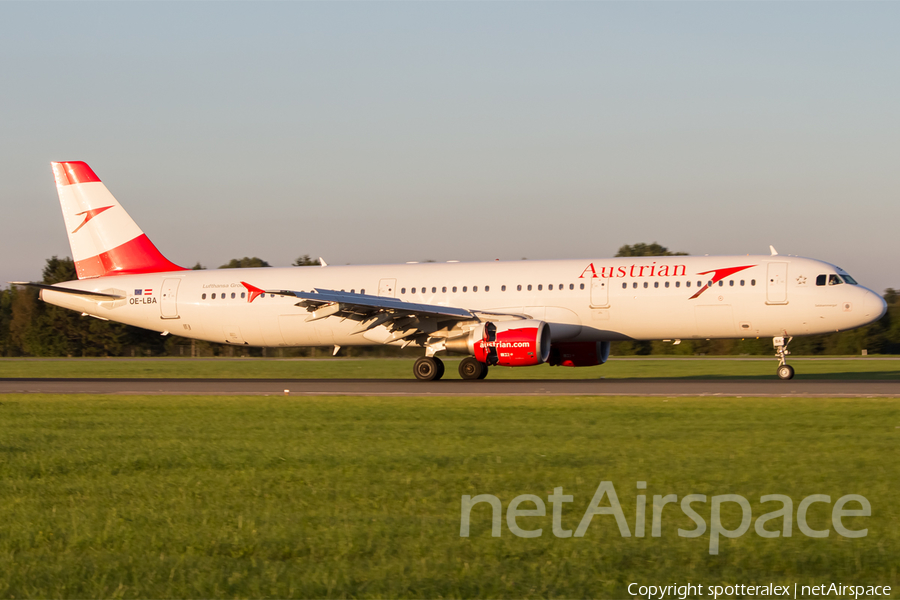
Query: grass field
[
  {"x": 360, "y": 497},
  {"x": 339, "y": 368}
]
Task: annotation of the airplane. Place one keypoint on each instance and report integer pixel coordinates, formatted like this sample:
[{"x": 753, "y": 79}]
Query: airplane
[{"x": 514, "y": 314}]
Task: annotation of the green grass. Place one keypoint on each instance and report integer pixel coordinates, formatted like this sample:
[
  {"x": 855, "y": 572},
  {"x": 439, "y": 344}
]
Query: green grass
[
  {"x": 106, "y": 496},
  {"x": 339, "y": 368}
]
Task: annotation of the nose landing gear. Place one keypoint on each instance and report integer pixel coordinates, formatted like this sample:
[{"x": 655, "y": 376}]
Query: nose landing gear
[{"x": 785, "y": 371}]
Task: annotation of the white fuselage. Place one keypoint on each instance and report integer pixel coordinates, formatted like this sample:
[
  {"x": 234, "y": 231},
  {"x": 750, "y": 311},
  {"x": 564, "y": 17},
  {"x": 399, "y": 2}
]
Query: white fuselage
[{"x": 582, "y": 300}]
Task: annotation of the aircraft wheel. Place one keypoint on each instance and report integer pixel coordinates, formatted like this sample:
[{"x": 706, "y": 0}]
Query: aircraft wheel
[
  {"x": 785, "y": 372},
  {"x": 471, "y": 369},
  {"x": 428, "y": 368}
]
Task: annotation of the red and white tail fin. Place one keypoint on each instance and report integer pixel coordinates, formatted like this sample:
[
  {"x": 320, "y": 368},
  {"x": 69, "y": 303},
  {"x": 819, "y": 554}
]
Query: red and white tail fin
[{"x": 103, "y": 238}]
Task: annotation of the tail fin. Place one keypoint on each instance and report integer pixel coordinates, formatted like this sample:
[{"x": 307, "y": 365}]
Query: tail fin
[{"x": 103, "y": 238}]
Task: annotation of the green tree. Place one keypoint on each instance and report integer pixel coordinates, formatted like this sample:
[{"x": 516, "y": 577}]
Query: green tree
[
  {"x": 5, "y": 318},
  {"x": 245, "y": 263},
  {"x": 198, "y": 267},
  {"x": 305, "y": 261},
  {"x": 642, "y": 249}
]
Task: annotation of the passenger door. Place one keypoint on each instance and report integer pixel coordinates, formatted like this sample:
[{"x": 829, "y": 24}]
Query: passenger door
[
  {"x": 776, "y": 283},
  {"x": 168, "y": 305}
]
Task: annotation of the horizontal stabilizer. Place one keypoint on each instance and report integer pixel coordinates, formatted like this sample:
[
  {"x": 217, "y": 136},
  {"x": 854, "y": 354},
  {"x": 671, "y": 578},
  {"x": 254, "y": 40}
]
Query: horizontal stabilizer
[{"x": 86, "y": 293}]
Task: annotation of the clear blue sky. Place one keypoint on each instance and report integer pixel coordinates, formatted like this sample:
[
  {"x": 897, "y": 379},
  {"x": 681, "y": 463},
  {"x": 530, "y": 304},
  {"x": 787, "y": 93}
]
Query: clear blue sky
[{"x": 391, "y": 132}]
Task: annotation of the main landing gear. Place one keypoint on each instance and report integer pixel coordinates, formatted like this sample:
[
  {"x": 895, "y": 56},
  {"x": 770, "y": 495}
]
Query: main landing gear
[
  {"x": 430, "y": 368},
  {"x": 785, "y": 371},
  {"x": 471, "y": 369}
]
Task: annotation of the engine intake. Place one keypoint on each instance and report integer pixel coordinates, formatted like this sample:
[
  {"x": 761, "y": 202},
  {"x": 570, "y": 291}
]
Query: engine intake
[{"x": 507, "y": 343}]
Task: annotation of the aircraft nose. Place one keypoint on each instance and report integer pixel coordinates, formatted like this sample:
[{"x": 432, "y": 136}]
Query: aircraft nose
[{"x": 874, "y": 306}]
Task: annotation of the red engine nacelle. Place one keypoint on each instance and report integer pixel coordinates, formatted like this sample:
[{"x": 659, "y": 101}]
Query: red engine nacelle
[
  {"x": 578, "y": 354},
  {"x": 508, "y": 343}
]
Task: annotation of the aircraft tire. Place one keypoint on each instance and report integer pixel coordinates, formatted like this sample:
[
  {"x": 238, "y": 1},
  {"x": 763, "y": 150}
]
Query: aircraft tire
[
  {"x": 471, "y": 369},
  {"x": 785, "y": 372},
  {"x": 428, "y": 368}
]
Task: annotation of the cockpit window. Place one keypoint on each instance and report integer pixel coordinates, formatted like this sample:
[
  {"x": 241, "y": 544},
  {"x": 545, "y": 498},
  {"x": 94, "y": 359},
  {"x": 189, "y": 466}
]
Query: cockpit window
[
  {"x": 849, "y": 279},
  {"x": 821, "y": 279},
  {"x": 834, "y": 280}
]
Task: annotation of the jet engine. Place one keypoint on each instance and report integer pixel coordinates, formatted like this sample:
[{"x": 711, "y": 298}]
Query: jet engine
[
  {"x": 578, "y": 354},
  {"x": 509, "y": 343}
]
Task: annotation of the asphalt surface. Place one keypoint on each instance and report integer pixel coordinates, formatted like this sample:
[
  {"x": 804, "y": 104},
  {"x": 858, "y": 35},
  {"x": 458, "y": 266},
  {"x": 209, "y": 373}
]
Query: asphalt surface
[{"x": 409, "y": 387}]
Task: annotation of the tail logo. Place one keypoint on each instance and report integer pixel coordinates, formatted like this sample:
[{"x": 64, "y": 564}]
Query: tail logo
[{"x": 88, "y": 215}]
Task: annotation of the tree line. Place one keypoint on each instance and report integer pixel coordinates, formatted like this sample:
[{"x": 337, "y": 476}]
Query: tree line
[{"x": 29, "y": 327}]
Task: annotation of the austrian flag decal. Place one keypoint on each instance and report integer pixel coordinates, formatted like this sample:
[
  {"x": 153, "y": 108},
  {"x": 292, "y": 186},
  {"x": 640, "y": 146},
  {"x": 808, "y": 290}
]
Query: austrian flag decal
[{"x": 143, "y": 292}]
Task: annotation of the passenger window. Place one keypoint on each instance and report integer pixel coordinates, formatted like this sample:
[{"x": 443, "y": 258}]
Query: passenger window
[
  {"x": 687, "y": 284},
  {"x": 465, "y": 288},
  {"x": 731, "y": 283},
  {"x": 203, "y": 297},
  {"x": 699, "y": 283},
  {"x": 454, "y": 289},
  {"x": 502, "y": 288},
  {"x": 742, "y": 282},
  {"x": 656, "y": 284},
  {"x": 529, "y": 287},
  {"x": 752, "y": 282},
  {"x": 402, "y": 290},
  {"x": 362, "y": 291},
  {"x": 540, "y": 287},
  {"x": 518, "y": 288},
  {"x": 667, "y": 284},
  {"x": 624, "y": 286},
  {"x": 444, "y": 290},
  {"x": 571, "y": 286},
  {"x": 550, "y": 287},
  {"x": 582, "y": 286},
  {"x": 434, "y": 290},
  {"x": 721, "y": 282},
  {"x": 634, "y": 285},
  {"x": 474, "y": 288},
  {"x": 487, "y": 288},
  {"x": 677, "y": 284},
  {"x": 214, "y": 296},
  {"x": 646, "y": 285},
  {"x": 232, "y": 295}
]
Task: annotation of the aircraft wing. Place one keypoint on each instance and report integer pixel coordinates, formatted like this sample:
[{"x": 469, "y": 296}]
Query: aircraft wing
[{"x": 402, "y": 319}]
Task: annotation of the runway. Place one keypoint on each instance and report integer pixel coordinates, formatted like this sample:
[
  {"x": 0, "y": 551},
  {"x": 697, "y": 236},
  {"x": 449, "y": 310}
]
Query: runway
[{"x": 407, "y": 387}]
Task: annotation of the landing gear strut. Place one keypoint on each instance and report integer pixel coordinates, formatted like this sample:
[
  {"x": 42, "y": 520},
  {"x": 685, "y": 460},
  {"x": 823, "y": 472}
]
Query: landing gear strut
[
  {"x": 428, "y": 368},
  {"x": 471, "y": 369},
  {"x": 785, "y": 371}
]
